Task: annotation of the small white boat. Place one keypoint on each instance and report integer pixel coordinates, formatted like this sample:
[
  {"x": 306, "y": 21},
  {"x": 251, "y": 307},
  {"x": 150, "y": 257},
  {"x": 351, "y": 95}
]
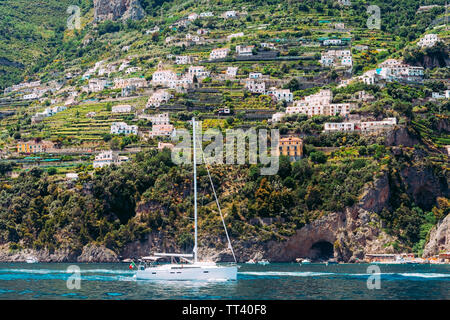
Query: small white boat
[
  {"x": 263, "y": 262},
  {"x": 303, "y": 261},
  {"x": 32, "y": 260},
  {"x": 306, "y": 261},
  {"x": 251, "y": 261}
]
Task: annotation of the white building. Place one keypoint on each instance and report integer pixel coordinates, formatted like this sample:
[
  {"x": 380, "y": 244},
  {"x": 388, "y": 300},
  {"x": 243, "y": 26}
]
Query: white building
[
  {"x": 130, "y": 82},
  {"x": 323, "y": 97},
  {"x": 198, "y": 71},
  {"x": 235, "y": 35},
  {"x": 219, "y": 53},
  {"x": 278, "y": 116},
  {"x": 193, "y": 16},
  {"x": 30, "y": 96},
  {"x": 202, "y": 32},
  {"x": 255, "y": 75},
  {"x": 124, "y": 108},
  {"x": 244, "y": 50},
  {"x": 160, "y": 119},
  {"x": 320, "y": 104},
  {"x": 72, "y": 176},
  {"x": 161, "y": 130},
  {"x": 122, "y": 127},
  {"x": 132, "y": 70},
  {"x": 429, "y": 40},
  {"x": 369, "y": 77},
  {"x": 184, "y": 59},
  {"x": 332, "y": 42},
  {"x": 22, "y": 86},
  {"x": 164, "y": 145},
  {"x": 181, "y": 83},
  {"x": 108, "y": 158},
  {"x": 107, "y": 70},
  {"x": 270, "y": 46},
  {"x": 163, "y": 77},
  {"x": 97, "y": 85},
  {"x": 152, "y": 31},
  {"x": 255, "y": 86},
  {"x": 206, "y": 14},
  {"x": 364, "y": 127},
  {"x": 169, "y": 39},
  {"x": 395, "y": 70},
  {"x": 48, "y": 112},
  {"x": 124, "y": 65},
  {"x": 341, "y": 126},
  {"x": 229, "y": 14},
  {"x": 337, "y": 58},
  {"x": 232, "y": 72},
  {"x": 378, "y": 125},
  {"x": 281, "y": 94},
  {"x": 345, "y": 2},
  {"x": 193, "y": 38},
  {"x": 158, "y": 97}
]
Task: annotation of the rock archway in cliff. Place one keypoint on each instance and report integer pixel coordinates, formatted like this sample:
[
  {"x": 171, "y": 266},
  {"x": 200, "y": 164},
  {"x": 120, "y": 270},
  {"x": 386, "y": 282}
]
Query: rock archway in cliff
[{"x": 321, "y": 250}]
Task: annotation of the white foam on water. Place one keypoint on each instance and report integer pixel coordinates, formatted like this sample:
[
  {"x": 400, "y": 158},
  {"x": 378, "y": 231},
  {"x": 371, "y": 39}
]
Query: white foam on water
[
  {"x": 425, "y": 275},
  {"x": 288, "y": 274},
  {"x": 316, "y": 274}
]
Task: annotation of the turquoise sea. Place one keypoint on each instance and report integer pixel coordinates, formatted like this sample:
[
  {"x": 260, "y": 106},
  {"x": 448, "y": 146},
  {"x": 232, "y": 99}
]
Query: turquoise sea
[{"x": 274, "y": 281}]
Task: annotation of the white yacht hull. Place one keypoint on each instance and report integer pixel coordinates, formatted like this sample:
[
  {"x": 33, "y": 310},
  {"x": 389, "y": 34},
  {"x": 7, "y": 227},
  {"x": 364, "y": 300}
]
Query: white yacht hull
[{"x": 188, "y": 273}]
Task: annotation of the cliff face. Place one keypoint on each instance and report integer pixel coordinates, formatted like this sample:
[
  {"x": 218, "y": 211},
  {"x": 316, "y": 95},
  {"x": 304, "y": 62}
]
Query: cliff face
[
  {"x": 345, "y": 236},
  {"x": 424, "y": 186},
  {"x": 117, "y": 9},
  {"x": 439, "y": 238},
  {"x": 400, "y": 136}
]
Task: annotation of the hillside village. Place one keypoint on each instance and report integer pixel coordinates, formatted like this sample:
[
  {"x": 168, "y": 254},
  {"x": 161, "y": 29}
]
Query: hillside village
[
  {"x": 213, "y": 78},
  {"x": 124, "y": 87}
]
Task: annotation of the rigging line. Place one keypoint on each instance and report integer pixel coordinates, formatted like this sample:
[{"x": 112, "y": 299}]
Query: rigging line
[{"x": 218, "y": 206}]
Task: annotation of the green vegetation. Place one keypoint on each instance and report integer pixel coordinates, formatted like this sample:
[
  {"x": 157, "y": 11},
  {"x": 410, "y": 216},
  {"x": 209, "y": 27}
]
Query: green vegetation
[{"x": 150, "y": 195}]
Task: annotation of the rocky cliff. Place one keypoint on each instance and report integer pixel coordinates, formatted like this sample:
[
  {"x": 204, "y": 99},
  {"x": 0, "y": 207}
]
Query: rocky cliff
[
  {"x": 117, "y": 9},
  {"x": 90, "y": 253},
  {"x": 439, "y": 238},
  {"x": 345, "y": 236},
  {"x": 401, "y": 136}
]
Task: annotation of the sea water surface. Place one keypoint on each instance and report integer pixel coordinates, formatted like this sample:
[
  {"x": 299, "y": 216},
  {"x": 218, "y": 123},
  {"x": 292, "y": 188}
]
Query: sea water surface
[{"x": 274, "y": 281}]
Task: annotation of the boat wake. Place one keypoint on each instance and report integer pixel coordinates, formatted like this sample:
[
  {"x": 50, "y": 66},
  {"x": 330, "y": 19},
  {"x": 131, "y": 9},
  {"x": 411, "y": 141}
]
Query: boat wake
[{"x": 386, "y": 276}]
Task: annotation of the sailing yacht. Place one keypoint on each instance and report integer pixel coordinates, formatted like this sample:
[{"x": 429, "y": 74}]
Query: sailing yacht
[{"x": 188, "y": 266}]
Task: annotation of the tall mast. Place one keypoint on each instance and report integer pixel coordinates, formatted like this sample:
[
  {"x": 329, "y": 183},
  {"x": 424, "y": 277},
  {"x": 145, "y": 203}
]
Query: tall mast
[{"x": 195, "y": 190}]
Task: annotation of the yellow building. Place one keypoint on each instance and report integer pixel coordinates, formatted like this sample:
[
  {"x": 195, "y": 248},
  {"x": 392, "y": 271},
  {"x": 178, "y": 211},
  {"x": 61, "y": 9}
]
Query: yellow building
[
  {"x": 34, "y": 146},
  {"x": 291, "y": 147}
]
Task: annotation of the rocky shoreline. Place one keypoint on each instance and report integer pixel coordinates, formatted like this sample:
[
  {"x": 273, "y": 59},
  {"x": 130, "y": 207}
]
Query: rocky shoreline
[{"x": 90, "y": 254}]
